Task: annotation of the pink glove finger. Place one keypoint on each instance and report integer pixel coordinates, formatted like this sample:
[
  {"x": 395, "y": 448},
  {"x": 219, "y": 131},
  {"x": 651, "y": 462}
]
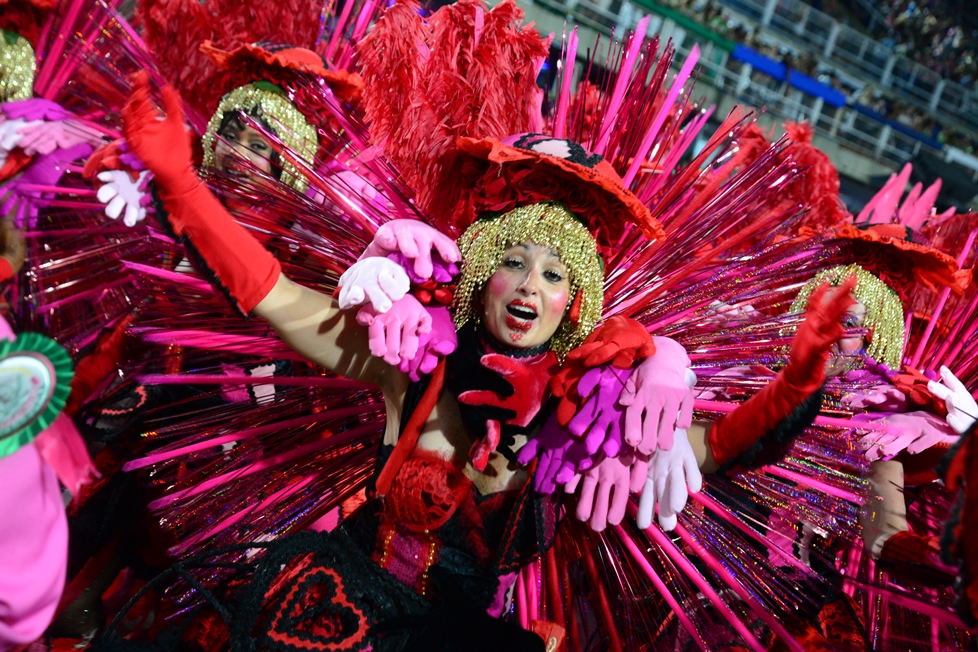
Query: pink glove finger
[
  {"x": 667, "y": 423},
  {"x": 567, "y": 471},
  {"x": 612, "y": 441},
  {"x": 602, "y": 501},
  {"x": 588, "y": 382},
  {"x": 633, "y": 424},
  {"x": 377, "y": 340},
  {"x": 572, "y": 485},
  {"x": 639, "y": 474},
  {"x": 409, "y": 344},
  {"x": 407, "y": 243},
  {"x": 650, "y": 428},
  {"x": 585, "y": 501},
  {"x": 619, "y": 501},
  {"x": 392, "y": 341},
  {"x": 446, "y": 248}
]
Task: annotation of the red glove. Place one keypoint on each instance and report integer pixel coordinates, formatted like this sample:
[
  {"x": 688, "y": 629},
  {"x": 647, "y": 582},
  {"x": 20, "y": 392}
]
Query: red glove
[
  {"x": 241, "y": 267},
  {"x": 530, "y": 377},
  {"x": 619, "y": 341},
  {"x": 913, "y": 383},
  {"x": 760, "y": 417},
  {"x": 164, "y": 145}
]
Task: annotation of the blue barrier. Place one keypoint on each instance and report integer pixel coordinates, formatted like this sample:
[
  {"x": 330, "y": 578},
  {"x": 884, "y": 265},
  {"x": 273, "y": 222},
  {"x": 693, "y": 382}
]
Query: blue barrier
[{"x": 898, "y": 126}]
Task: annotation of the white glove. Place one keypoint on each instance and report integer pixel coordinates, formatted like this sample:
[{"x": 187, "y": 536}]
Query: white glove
[
  {"x": 962, "y": 410},
  {"x": 120, "y": 193},
  {"x": 673, "y": 475},
  {"x": 380, "y": 281},
  {"x": 10, "y": 135}
]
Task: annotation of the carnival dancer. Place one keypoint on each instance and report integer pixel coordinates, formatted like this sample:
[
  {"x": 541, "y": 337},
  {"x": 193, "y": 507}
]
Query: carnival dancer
[{"x": 41, "y": 455}]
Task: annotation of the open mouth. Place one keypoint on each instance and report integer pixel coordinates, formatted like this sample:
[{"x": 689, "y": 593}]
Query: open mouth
[{"x": 520, "y": 315}]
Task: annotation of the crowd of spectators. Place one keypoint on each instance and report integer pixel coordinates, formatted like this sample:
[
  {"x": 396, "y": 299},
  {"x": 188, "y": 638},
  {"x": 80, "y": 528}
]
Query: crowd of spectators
[
  {"x": 938, "y": 34},
  {"x": 901, "y": 12}
]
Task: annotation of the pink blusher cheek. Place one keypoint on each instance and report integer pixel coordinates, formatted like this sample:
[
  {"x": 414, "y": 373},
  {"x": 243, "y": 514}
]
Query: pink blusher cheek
[
  {"x": 558, "y": 304},
  {"x": 496, "y": 288}
]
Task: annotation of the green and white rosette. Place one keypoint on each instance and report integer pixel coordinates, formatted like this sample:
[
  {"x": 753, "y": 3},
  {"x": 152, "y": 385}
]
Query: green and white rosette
[{"x": 35, "y": 377}]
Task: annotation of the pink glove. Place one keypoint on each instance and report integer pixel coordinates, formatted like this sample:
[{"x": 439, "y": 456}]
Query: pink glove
[
  {"x": 604, "y": 493},
  {"x": 34, "y": 541},
  {"x": 440, "y": 341},
  {"x": 45, "y": 137},
  {"x": 882, "y": 398},
  {"x": 36, "y": 108},
  {"x": 914, "y": 432},
  {"x": 561, "y": 456},
  {"x": 600, "y": 419},
  {"x": 441, "y": 271},
  {"x": 962, "y": 410},
  {"x": 673, "y": 475},
  {"x": 416, "y": 240},
  {"x": 378, "y": 280},
  {"x": 44, "y": 170},
  {"x": 657, "y": 398},
  {"x": 395, "y": 334}
]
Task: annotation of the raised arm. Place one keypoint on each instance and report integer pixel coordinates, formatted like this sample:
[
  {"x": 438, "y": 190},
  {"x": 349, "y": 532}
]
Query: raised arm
[
  {"x": 313, "y": 324},
  {"x": 309, "y": 321}
]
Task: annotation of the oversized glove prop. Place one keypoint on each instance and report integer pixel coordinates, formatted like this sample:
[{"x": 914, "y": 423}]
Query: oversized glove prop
[
  {"x": 561, "y": 456},
  {"x": 395, "y": 335},
  {"x": 122, "y": 182},
  {"x": 913, "y": 432},
  {"x": 761, "y": 429},
  {"x": 416, "y": 242},
  {"x": 242, "y": 268},
  {"x": 434, "y": 345},
  {"x": 672, "y": 475},
  {"x": 22, "y": 194},
  {"x": 619, "y": 342},
  {"x": 531, "y": 377},
  {"x": 379, "y": 281},
  {"x": 603, "y": 493},
  {"x": 658, "y": 397},
  {"x": 962, "y": 410},
  {"x": 485, "y": 385}
]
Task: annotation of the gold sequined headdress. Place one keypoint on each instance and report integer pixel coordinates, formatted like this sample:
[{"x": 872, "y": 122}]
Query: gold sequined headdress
[
  {"x": 265, "y": 101},
  {"x": 547, "y": 224},
  {"x": 884, "y": 310},
  {"x": 16, "y": 67}
]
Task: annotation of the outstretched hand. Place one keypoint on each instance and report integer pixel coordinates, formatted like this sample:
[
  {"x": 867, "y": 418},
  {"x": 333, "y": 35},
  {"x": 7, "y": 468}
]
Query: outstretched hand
[
  {"x": 821, "y": 328},
  {"x": 962, "y": 410},
  {"x": 163, "y": 143}
]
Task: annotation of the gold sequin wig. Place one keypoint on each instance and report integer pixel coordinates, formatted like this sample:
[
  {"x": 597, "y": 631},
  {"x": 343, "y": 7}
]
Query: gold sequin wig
[
  {"x": 267, "y": 102},
  {"x": 884, "y": 311},
  {"x": 548, "y": 224}
]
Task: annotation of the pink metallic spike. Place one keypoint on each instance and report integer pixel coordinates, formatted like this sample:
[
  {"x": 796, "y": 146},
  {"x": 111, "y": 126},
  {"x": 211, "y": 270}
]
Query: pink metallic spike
[
  {"x": 660, "y": 118},
  {"x": 936, "y": 315},
  {"x": 669, "y": 548},
  {"x": 561, "y": 117},
  {"x": 661, "y": 587},
  {"x": 608, "y": 124}
]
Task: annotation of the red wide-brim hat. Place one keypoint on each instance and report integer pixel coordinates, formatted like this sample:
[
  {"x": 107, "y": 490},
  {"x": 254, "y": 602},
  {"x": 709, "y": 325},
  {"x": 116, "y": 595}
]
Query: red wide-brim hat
[{"x": 529, "y": 168}]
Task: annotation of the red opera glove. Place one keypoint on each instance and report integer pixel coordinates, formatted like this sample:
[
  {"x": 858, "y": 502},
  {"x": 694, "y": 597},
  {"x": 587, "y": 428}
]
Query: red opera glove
[
  {"x": 760, "y": 430},
  {"x": 164, "y": 145},
  {"x": 530, "y": 377},
  {"x": 240, "y": 266}
]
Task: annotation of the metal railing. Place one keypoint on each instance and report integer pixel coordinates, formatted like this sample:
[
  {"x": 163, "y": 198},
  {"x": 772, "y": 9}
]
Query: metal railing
[
  {"x": 844, "y": 125},
  {"x": 861, "y": 56}
]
